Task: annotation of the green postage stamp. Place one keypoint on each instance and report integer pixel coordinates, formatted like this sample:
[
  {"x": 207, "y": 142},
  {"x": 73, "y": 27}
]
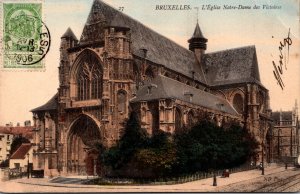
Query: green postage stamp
[{"x": 25, "y": 39}]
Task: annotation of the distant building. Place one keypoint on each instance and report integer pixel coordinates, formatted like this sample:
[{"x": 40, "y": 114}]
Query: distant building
[
  {"x": 27, "y": 123},
  {"x": 285, "y": 141},
  {"x": 7, "y": 135},
  {"x": 21, "y": 157},
  {"x": 5, "y": 143}
]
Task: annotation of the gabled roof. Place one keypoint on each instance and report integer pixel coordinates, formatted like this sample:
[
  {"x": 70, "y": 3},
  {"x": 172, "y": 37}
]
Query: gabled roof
[
  {"x": 160, "y": 49},
  {"x": 21, "y": 152},
  {"x": 50, "y": 105},
  {"x": 166, "y": 88},
  {"x": 232, "y": 66},
  {"x": 69, "y": 34}
]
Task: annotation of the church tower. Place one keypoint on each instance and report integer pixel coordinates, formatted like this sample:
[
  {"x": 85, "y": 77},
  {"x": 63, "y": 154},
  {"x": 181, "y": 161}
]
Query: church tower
[
  {"x": 197, "y": 43},
  {"x": 68, "y": 40}
]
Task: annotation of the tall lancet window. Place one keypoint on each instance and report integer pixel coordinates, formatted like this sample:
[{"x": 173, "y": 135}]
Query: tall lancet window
[
  {"x": 89, "y": 78},
  {"x": 121, "y": 98}
]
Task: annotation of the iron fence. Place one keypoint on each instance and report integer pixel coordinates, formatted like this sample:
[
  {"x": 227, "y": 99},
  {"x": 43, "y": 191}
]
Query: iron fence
[
  {"x": 15, "y": 173},
  {"x": 171, "y": 180}
]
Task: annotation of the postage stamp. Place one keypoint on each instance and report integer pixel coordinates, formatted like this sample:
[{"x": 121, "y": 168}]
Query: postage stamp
[{"x": 24, "y": 36}]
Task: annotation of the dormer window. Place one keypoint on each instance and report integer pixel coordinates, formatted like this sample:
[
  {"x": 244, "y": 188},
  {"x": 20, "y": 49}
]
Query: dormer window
[
  {"x": 149, "y": 91},
  {"x": 221, "y": 106},
  {"x": 189, "y": 95}
]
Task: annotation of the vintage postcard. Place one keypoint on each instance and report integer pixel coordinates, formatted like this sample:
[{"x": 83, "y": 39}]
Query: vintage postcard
[{"x": 149, "y": 96}]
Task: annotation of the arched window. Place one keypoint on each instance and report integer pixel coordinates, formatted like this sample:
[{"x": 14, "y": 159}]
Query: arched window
[
  {"x": 89, "y": 78},
  {"x": 238, "y": 103},
  {"x": 143, "y": 115},
  {"x": 178, "y": 119},
  {"x": 136, "y": 73},
  {"x": 121, "y": 100},
  {"x": 155, "y": 119},
  {"x": 162, "y": 114},
  {"x": 260, "y": 100},
  {"x": 190, "y": 119}
]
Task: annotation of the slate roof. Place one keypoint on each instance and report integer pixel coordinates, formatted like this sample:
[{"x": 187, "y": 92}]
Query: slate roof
[
  {"x": 50, "y": 105},
  {"x": 161, "y": 50},
  {"x": 24, "y": 131},
  {"x": 167, "y": 88},
  {"x": 69, "y": 34},
  {"x": 238, "y": 65},
  {"x": 21, "y": 152},
  {"x": 286, "y": 115}
]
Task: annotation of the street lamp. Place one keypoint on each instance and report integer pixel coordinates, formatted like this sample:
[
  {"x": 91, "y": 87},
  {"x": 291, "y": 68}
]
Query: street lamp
[
  {"x": 28, "y": 165},
  {"x": 262, "y": 149},
  {"x": 214, "y": 170},
  {"x": 262, "y": 158}
]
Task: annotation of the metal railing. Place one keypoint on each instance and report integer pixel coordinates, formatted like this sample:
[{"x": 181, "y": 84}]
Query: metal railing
[{"x": 169, "y": 180}]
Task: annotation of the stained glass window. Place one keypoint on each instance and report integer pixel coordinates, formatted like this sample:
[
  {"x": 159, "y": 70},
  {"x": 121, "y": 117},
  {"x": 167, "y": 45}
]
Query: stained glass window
[{"x": 89, "y": 78}]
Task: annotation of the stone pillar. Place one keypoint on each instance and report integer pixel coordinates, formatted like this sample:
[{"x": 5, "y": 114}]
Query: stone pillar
[
  {"x": 46, "y": 165},
  {"x": 64, "y": 149}
]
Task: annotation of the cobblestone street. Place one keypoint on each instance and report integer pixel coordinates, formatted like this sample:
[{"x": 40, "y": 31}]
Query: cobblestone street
[{"x": 276, "y": 178}]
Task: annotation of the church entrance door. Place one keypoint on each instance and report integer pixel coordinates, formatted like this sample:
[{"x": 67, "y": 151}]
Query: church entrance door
[
  {"x": 91, "y": 163},
  {"x": 83, "y": 142}
]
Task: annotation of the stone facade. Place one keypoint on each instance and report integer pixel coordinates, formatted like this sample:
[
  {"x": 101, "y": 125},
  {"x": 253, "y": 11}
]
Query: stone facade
[
  {"x": 285, "y": 135},
  {"x": 119, "y": 66},
  {"x": 5, "y": 143},
  {"x": 7, "y": 135}
]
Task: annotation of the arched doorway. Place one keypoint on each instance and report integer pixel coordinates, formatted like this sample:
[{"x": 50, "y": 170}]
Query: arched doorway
[{"x": 84, "y": 140}]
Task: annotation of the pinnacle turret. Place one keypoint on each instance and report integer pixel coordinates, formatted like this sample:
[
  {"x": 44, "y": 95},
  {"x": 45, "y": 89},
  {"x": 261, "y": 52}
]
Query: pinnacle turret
[
  {"x": 69, "y": 34},
  {"x": 198, "y": 41}
]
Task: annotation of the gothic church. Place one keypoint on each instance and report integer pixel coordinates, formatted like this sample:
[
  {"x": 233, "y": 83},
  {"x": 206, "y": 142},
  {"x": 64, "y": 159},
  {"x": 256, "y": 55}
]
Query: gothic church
[{"x": 118, "y": 66}]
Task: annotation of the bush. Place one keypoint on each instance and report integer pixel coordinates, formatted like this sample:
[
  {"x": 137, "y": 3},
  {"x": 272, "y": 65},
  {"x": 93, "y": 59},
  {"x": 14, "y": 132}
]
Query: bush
[
  {"x": 4, "y": 163},
  {"x": 202, "y": 148}
]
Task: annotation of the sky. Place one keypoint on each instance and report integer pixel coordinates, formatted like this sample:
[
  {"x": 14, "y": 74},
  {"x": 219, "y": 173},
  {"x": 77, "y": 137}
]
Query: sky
[{"x": 22, "y": 91}]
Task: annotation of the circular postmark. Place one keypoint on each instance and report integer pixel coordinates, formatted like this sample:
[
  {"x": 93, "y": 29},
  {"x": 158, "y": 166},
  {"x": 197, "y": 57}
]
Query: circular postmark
[{"x": 26, "y": 37}]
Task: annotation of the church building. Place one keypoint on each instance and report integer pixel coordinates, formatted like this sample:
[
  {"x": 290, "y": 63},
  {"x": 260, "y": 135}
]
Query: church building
[
  {"x": 118, "y": 66},
  {"x": 285, "y": 136}
]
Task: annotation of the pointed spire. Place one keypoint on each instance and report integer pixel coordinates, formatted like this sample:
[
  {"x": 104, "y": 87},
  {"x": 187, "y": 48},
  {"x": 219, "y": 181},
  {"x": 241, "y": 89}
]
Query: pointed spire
[
  {"x": 197, "y": 32},
  {"x": 69, "y": 34},
  {"x": 197, "y": 41},
  {"x": 296, "y": 108}
]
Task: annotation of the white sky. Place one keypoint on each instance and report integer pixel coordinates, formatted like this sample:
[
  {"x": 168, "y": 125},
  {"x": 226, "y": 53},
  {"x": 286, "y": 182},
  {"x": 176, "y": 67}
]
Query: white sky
[{"x": 22, "y": 91}]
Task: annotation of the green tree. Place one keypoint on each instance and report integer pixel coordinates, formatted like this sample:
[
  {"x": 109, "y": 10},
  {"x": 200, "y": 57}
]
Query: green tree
[
  {"x": 17, "y": 142},
  {"x": 134, "y": 138},
  {"x": 159, "y": 156},
  {"x": 203, "y": 147},
  {"x": 207, "y": 146},
  {"x": 4, "y": 163}
]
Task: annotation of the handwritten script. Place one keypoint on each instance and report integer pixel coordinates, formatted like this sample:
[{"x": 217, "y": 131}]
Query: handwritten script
[{"x": 283, "y": 59}]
